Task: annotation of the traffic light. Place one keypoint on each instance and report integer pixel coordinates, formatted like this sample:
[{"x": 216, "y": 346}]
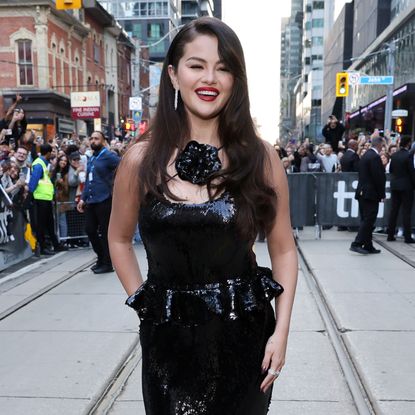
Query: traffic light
[
  {"x": 342, "y": 84},
  {"x": 399, "y": 125},
  {"x": 68, "y": 4}
]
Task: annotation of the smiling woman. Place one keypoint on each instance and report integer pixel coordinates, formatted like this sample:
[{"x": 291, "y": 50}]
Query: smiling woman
[{"x": 200, "y": 185}]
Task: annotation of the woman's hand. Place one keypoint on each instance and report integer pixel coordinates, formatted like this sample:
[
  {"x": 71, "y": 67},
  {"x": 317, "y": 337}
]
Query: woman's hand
[{"x": 274, "y": 358}]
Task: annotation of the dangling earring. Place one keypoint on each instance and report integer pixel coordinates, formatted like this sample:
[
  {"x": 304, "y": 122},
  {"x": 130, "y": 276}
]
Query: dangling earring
[{"x": 176, "y": 98}]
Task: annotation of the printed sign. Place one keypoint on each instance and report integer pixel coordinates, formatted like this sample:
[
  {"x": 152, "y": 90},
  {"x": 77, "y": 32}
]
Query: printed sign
[
  {"x": 136, "y": 104},
  {"x": 85, "y": 105}
]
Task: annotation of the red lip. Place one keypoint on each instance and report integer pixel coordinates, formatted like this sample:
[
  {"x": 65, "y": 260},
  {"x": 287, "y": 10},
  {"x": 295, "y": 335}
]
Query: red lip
[{"x": 207, "y": 97}]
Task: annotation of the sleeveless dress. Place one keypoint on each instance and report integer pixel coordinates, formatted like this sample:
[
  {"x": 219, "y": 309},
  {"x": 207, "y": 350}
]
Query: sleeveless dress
[{"x": 205, "y": 311}]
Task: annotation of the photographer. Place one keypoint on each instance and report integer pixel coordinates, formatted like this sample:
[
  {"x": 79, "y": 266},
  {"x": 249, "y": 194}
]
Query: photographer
[{"x": 333, "y": 132}]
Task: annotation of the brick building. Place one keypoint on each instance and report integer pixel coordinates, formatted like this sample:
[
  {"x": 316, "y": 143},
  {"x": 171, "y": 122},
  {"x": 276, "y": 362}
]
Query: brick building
[{"x": 45, "y": 54}]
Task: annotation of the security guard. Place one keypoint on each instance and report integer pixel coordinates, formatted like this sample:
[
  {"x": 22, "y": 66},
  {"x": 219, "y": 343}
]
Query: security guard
[{"x": 42, "y": 191}]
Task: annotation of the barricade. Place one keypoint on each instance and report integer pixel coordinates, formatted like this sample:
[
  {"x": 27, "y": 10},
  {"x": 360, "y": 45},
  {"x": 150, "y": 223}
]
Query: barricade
[
  {"x": 13, "y": 245},
  {"x": 69, "y": 223},
  {"x": 328, "y": 199}
]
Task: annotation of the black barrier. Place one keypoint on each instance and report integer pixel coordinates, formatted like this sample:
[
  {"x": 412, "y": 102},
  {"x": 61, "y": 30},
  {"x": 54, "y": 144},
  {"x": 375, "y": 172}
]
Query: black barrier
[
  {"x": 330, "y": 196},
  {"x": 13, "y": 246},
  {"x": 302, "y": 199}
]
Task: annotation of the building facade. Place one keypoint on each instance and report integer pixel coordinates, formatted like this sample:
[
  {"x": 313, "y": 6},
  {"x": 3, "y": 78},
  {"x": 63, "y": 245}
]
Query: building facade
[
  {"x": 367, "y": 102},
  {"x": 192, "y": 9},
  {"x": 338, "y": 49},
  {"x": 290, "y": 69},
  {"x": 154, "y": 23},
  {"x": 317, "y": 22},
  {"x": 47, "y": 54}
]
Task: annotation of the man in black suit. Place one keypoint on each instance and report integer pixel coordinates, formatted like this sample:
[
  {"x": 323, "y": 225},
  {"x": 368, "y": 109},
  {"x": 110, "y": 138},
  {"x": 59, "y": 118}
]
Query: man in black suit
[
  {"x": 370, "y": 191},
  {"x": 350, "y": 160},
  {"x": 402, "y": 189}
]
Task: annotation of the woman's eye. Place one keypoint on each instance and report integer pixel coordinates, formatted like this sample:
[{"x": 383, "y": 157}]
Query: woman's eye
[
  {"x": 196, "y": 67},
  {"x": 223, "y": 69}
]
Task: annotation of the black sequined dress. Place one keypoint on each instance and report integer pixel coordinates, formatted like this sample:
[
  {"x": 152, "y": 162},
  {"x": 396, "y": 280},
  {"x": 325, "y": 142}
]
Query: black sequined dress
[{"x": 205, "y": 311}]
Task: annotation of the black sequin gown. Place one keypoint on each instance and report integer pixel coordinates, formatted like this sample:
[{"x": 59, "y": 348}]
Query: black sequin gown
[{"x": 205, "y": 311}]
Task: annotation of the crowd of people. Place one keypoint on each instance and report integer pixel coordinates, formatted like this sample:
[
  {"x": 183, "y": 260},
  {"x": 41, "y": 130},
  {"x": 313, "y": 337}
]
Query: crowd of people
[
  {"x": 341, "y": 153},
  {"x": 66, "y": 160},
  {"x": 24, "y": 155}
]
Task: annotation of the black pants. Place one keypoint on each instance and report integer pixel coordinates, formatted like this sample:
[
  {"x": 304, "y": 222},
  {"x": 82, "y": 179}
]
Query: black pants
[
  {"x": 368, "y": 212},
  {"x": 44, "y": 223},
  {"x": 405, "y": 199},
  {"x": 97, "y": 221}
]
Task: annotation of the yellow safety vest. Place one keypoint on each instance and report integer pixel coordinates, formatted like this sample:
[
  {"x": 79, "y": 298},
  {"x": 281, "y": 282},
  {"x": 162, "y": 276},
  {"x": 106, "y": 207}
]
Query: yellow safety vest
[{"x": 44, "y": 189}]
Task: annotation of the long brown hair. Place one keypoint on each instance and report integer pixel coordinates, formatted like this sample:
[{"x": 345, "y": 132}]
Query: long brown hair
[{"x": 244, "y": 175}]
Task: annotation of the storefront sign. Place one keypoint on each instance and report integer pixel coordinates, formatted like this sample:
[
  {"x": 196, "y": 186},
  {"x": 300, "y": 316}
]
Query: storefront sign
[{"x": 85, "y": 105}]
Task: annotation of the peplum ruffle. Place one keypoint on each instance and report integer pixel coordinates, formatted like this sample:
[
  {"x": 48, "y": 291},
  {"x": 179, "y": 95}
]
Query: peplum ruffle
[{"x": 198, "y": 303}]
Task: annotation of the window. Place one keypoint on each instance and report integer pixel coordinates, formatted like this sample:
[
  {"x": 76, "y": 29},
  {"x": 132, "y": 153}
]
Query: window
[
  {"x": 318, "y": 22},
  {"x": 96, "y": 53},
  {"x": 317, "y": 41},
  {"x": 155, "y": 30},
  {"x": 137, "y": 30},
  {"x": 24, "y": 52},
  {"x": 307, "y": 61},
  {"x": 307, "y": 25},
  {"x": 318, "y": 4}
]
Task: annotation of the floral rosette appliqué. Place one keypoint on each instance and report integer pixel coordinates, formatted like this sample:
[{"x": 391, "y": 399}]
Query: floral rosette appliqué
[{"x": 197, "y": 162}]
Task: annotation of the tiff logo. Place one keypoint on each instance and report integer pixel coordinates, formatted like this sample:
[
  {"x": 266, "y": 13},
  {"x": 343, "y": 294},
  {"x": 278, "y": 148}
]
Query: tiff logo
[{"x": 345, "y": 209}]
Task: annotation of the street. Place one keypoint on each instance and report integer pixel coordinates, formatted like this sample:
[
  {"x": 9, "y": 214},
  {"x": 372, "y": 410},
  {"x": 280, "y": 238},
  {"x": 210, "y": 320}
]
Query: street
[{"x": 73, "y": 348}]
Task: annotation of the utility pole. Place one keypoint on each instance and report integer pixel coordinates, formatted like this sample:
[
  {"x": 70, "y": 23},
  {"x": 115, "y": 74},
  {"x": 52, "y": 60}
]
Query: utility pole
[{"x": 389, "y": 94}]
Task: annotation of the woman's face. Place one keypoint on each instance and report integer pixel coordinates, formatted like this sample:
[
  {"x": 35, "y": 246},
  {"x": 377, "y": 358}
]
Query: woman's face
[
  {"x": 204, "y": 82},
  {"x": 63, "y": 162},
  {"x": 14, "y": 172}
]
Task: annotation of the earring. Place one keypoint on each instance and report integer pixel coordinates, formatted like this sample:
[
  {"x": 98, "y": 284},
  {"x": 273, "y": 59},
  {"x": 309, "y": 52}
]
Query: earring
[{"x": 176, "y": 98}]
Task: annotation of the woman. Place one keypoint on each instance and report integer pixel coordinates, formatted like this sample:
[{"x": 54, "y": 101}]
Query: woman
[
  {"x": 209, "y": 338},
  {"x": 60, "y": 179}
]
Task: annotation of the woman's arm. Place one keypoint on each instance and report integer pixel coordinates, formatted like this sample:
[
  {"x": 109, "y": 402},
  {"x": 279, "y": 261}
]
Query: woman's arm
[
  {"x": 124, "y": 218},
  {"x": 283, "y": 254}
]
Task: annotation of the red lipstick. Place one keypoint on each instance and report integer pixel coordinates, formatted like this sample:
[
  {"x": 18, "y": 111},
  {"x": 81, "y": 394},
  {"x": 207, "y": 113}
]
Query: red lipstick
[{"x": 207, "y": 93}]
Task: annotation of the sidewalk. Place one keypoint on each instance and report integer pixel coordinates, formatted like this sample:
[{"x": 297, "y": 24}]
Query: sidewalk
[
  {"x": 59, "y": 351},
  {"x": 373, "y": 300}
]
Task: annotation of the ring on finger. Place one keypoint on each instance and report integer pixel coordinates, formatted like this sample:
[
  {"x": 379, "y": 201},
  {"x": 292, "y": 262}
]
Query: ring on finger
[{"x": 273, "y": 372}]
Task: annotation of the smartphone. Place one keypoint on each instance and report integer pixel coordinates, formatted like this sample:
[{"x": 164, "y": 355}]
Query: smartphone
[
  {"x": 22, "y": 176},
  {"x": 9, "y": 131},
  {"x": 58, "y": 176}
]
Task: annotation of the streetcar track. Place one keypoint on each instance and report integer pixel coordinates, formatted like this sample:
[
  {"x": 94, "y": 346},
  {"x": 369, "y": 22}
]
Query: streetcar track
[
  {"x": 393, "y": 251},
  {"x": 42, "y": 291},
  {"x": 104, "y": 400},
  {"x": 363, "y": 400}
]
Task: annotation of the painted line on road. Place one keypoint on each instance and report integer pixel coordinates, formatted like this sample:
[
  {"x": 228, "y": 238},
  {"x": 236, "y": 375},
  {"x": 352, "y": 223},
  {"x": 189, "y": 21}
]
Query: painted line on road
[{"x": 360, "y": 394}]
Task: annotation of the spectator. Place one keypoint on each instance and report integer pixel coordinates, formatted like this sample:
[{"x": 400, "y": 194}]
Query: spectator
[
  {"x": 333, "y": 132},
  {"x": 20, "y": 158},
  {"x": 298, "y": 155},
  {"x": 328, "y": 159},
  {"x": 60, "y": 180},
  {"x": 310, "y": 163}
]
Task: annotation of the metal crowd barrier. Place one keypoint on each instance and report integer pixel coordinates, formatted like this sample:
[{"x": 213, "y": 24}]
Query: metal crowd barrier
[
  {"x": 327, "y": 199},
  {"x": 69, "y": 219}
]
